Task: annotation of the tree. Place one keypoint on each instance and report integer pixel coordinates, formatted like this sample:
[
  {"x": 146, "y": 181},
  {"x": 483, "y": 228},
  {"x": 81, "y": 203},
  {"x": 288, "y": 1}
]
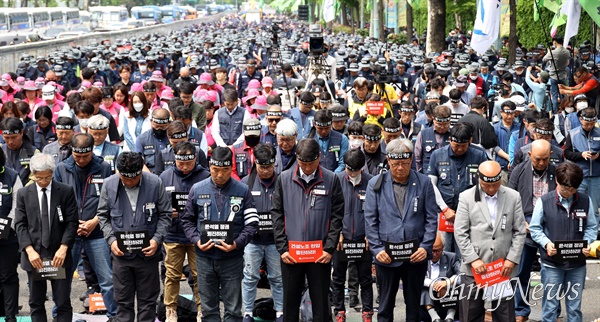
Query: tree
[
  {"x": 409, "y": 21},
  {"x": 436, "y": 26},
  {"x": 512, "y": 38}
]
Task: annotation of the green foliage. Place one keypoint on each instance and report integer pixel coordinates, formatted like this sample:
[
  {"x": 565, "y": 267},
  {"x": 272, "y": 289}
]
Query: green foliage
[
  {"x": 465, "y": 9},
  {"x": 399, "y": 38},
  {"x": 363, "y": 32},
  {"x": 340, "y": 28}
]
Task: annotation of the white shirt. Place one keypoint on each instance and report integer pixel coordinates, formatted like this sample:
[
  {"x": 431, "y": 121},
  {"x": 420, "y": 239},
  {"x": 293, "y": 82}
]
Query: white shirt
[
  {"x": 215, "y": 129},
  {"x": 306, "y": 177},
  {"x": 491, "y": 202},
  {"x": 40, "y": 196},
  {"x": 434, "y": 272}
]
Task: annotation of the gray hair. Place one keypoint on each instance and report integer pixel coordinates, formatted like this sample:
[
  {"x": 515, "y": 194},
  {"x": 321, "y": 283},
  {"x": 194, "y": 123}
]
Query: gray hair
[
  {"x": 399, "y": 145},
  {"x": 98, "y": 121},
  {"x": 41, "y": 162},
  {"x": 286, "y": 127}
]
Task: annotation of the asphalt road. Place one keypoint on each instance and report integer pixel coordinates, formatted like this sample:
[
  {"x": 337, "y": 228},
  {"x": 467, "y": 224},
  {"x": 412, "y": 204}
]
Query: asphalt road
[{"x": 590, "y": 307}]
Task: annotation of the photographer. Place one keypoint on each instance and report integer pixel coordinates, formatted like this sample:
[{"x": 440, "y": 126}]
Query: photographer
[
  {"x": 385, "y": 90},
  {"x": 538, "y": 87}
]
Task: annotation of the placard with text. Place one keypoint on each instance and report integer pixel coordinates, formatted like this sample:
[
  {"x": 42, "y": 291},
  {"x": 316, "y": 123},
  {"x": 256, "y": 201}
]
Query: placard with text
[
  {"x": 178, "y": 201},
  {"x": 570, "y": 250},
  {"x": 132, "y": 242},
  {"x": 354, "y": 251},
  {"x": 305, "y": 252},
  {"x": 48, "y": 272},
  {"x": 5, "y": 227},
  {"x": 493, "y": 274},
  {"x": 217, "y": 231},
  {"x": 445, "y": 224},
  {"x": 401, "y": 252}
]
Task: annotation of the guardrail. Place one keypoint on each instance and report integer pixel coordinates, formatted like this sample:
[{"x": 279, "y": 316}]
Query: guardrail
[{"x": 10, "y": 56}]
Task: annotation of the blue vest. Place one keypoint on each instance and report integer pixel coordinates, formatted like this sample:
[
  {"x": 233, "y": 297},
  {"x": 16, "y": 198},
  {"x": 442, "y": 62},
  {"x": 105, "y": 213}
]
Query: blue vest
[
  {"x": 110, "y": 151},
  {"x": 429, "y": 144},
  {"x": 8, "y": 177},
  {"x": 304, "y": 121},
  {"x": 354, "y": 206},
  {"x": 581, "y": 143},
  {"x": 561, "y": 224},
  {"x": 574, "y": 119},
  {"x": 330, "y": 157},
  {"x": 121, "y": 214},
  {"x": 230, "y": 126}
]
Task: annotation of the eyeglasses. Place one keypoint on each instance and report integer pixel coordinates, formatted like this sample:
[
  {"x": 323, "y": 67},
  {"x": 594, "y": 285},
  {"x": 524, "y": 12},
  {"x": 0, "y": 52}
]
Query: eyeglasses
[
  {"x": 42, "y": 179},
  {"x": 273, "y": 120},
  {"x": 286, "y": 139},
  {"x": 396, "y": 164}
]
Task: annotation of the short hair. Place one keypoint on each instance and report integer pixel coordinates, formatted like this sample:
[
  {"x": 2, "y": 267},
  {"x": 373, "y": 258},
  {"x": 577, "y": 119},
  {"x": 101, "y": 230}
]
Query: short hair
[
  {"x": 107, "y": 90},
  {"x": 222, "y": 153},
  {"x": 184, "y": 147},
  {"x": 187, "y": 88},
  {"x": 41, "y": 162},
  {"x": 355, "y": 127},
  {"x": 130, "y": 162},
  {"x": 230, "y": 95},
  {"x": 82, "y": 140},
  {"x": 371, "y": 130},
  {"x": 442, "y": 112},
  {"x": 429, "y": 107},
  {"x": 286, "y": 127},
  {"x": 65, "y": 120},
  {"x": 44, "y": 111},
  {"x": 124, "y": 67},
  {"x": 437, "y": 83},
  {"x": 176, "y": 127},
  {"x": 531, "y": 116},
  {"x": 399, "y": 145},
  {"x": 545, "y": 124},
  {"x": 176, "y": 101},
  {"x": 325, "y": 96},
  {"x": 392, "y": 123},
  {"x": 582, "y": 69},
  {"x": 588, "y": 112},
  {"x": 462, "y": 131},
  {"x": 264, "y": 152},
  {"x": 273, "y": 99},
  {"x": 84, "y": 107},
  {"x": 181, "y": 113},
  {"x": 92, "y": 95},
  {"x": 73, "y": 99},
  {"x": 149, "y": 86},
  {"x": 87, "y": 73},
  {"x": 558, "y": 38},
  {"x": 569, "y": 174},
  {"x": 478, "y": 103},
  {"x": 12, "y": 124},
  {"x": 511, "y": 105},
  {"x": 508, "y": 77},
  {"x": 360, "y": 82},
  {"x": 24, "y": 108},
  {"x": 323, "y": 116},
  {"x": 307, "y": 149},
  {"x": 98, "y": 121},
  {"x": 355, "y": 158},
  {"x": 221, "y": 70},
  {"x": 455, "y": 94}
]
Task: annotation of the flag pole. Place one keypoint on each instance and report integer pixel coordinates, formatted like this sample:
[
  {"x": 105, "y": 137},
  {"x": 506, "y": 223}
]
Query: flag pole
[{"x": 537, "y": 5}]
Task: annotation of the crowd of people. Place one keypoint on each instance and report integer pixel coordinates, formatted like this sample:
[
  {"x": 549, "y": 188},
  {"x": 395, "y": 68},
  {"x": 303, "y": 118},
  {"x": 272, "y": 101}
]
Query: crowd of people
[{"x": 228, "y": 149}]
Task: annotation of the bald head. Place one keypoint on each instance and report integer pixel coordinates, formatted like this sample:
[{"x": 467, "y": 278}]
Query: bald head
[
  {"x": 160, "y": 113},
  {"x": 184, "y": 72},
  {"x": 490, "y": 168},
  {"x": 438, "y": 248},
  {"x": 50, "y": 76},
  {"x": 540, "y": 154}
]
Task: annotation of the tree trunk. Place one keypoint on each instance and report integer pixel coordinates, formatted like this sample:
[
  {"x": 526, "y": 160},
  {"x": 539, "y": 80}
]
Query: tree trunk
[
  {"x": 512, "y": 35},
  {"x": 436, "y": 26},
  {"x": 380, "y": 7},
  {"x": 344, "y": 14},
  {"x": 352, "y": 20},
  {"x": 361, "y": 14},
  {"x": 409, "y": 22}
]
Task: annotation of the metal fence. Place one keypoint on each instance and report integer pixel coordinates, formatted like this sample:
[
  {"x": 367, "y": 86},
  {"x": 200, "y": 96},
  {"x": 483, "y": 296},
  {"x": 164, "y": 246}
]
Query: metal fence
[{"x": 10, "y": 56}]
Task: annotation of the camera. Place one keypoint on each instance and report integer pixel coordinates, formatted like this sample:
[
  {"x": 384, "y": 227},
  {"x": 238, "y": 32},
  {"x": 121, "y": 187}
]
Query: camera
[
  {"x": 316, "y": 42},
  {"x": 497, "y": 87},
  {"x": 383, "y": 77}
]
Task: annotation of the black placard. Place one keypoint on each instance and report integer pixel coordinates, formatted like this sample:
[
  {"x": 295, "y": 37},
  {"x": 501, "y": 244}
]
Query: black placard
[
  {"x": 5, "y": 227},
  {"x": 265, "y": 223},
  {"x": 132, "y": 242},
  {"x": 217, "y": 231},
  {"x": 48, "y": 272},
  {"x": 400, "y": 252},
  {"x": 570, "y": 250},
  {"x": 178, "y": 201},
  {"x": 449, "y": 300},
  {"x": 354, "y": 251}
]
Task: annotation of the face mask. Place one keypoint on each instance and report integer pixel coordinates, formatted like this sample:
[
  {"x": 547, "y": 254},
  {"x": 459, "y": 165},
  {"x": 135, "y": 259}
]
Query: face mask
[
  {"x": 143, "y": 68},
  {"x": 474, "y": 78},
  {"x": 569, "y": 110},
  {"x": 185, "y": 79},
  {"x": 356, "y": 144},
  {"x": 138, "y": 107},
  {"x": 151, "y": 65},
  {"x": 252, "y": 140},
  {"x": 581, "y": 105},
  {"x": 356, "y": 180},
  {"x": 160, "y": 133},
  {"x": 83, "y": 122}
]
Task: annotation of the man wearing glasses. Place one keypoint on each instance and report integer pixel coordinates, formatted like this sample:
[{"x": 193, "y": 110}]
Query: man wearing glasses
[
  {"x": 268, "y": 134},
  {"x": 400, "y": 210},
  {"x": 432, "y": 138}
]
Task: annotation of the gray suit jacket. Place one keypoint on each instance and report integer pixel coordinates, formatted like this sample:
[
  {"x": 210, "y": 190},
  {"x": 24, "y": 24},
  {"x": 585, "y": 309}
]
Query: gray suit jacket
[{"x": 477, "y": 238}]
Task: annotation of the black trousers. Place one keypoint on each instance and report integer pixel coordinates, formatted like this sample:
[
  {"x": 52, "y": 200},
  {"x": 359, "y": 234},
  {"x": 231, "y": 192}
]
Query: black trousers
[
  {"x": 353, "y": 282},
  {"x": 136, "y": 278},
  {"x": 388, "y": 279},
  {"x": 472, "y": 304},
  {"x": 61, "y": 293},
  {"x": 9, "y": 279},
  {"x": 339, "y": 279},
  {"x": 318, "y": 276}
]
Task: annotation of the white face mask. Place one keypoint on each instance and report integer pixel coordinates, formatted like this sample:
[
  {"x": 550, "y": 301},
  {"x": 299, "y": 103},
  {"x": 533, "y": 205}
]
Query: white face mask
[
  {"x": 473, "y": 77},
  {"x": 355, "y": 180},
  {"x": 581, "y": 105},
  {"x": 143, "y": 68},
  {"x": 356, "y": 144},
  {"x": 569, "y": 110},
  {"x": 138, "y": 107},
  {"x": 83, "y": 122}
]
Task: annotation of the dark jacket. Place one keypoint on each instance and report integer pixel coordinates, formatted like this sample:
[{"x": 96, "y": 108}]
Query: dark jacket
[
  {"x": 484, "y": 132},
  {"x": 354, "y": 206}
]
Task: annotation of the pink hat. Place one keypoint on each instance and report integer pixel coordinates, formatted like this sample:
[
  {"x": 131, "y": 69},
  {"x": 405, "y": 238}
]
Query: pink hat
[
  {"x": 267, "y": 82},
  {"x": 29, "y": 86},
  {"x": 260, "y": 103},
  {"x": 20, "y": 80},
  {"x": 6, "y": 77},
  {"x": 206, "y": 78},
  {"x": 135, "y": 87},
  {"x": 254, "y": 84},
  {"x": 252, "y": 93},
  {"x": 213, "y": 97},
  {"x": 98, "y": 84},
  {"x": 40, "y": 82},
  {"x": 85, "y": 85},
  {"x": 167, "y": 94},
  {"x": 157, "y": 76}
]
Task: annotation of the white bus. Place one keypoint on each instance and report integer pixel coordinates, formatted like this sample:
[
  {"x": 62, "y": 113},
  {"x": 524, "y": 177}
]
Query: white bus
[{"x": 109, "y": 18}]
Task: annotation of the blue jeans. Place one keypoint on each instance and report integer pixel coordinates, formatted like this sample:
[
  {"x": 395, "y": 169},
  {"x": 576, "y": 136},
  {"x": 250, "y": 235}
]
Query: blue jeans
[
  {"x": 521, "y": 304},
  {"x": 591, "y": 187},
  {"x": 253, "y": 256},
  {"x": 554, "y": 92},
  {"x": 571, "y": 282},
  {"x": 98, "y": 252},
  {"x": 220, "y": 279}
]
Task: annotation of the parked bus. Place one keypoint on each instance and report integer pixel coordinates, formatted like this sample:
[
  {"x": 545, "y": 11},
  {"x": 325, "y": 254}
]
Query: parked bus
[
  {"x": 40, "y": 18},
  {"x": 18, "y": 19},
  {"x": 190, "y": 12},
  {"x": 56, "y": 17},
  {"x": 151, "y": 16},
  {"x": 72, "y": 16},
  {"x": 170, "y": 13},
  {"x": 3, "y": 21},
  {"x": 109, "y": 18}
]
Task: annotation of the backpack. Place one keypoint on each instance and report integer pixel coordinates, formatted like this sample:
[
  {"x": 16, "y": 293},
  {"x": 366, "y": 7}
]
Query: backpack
[
  {"x": 186, "y": 310},
  {"x": 263, "y": 308},
  {"x": 306, "y": 313}
]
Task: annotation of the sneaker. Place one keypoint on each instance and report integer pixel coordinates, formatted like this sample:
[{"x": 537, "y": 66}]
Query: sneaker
[
  {"x": 248, "y": 318},
  {"x": 279, "y": 319},
  {"x": 199, "y": 317},
  {"x": 340, "y": 316},
  {"x": 171, "y": 315},
  {"x": 367, "y": 316}
]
